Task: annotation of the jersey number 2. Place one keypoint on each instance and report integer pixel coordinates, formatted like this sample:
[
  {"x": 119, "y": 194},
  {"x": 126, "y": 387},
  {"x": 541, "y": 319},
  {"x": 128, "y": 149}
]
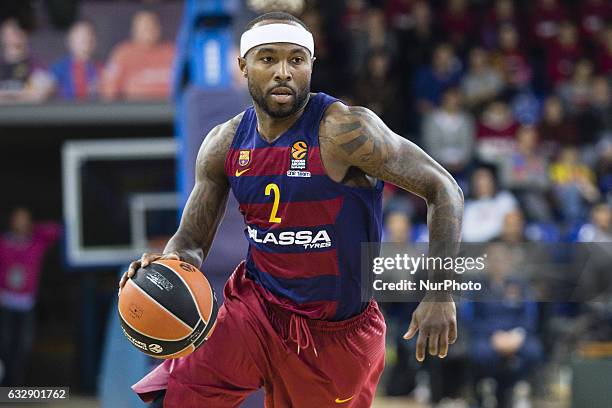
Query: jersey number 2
[{"x": 273, "y": 188}]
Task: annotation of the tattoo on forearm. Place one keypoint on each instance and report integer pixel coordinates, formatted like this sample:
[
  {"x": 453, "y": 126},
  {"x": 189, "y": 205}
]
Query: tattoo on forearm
[{"x": 207, "y": 202}]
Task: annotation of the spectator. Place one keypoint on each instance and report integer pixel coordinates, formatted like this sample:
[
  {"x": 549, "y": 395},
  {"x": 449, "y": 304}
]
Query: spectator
[
  {"x": 482, "y": 83},
  {"x": 398, "y": 227},
  {"x": 496, "y": 132},
  {"x": 563, "y": 53},
  {"x": 545, "y": 19},
  {"x": 330, "y": 70},
  {"x": 399, "y": 14},
  {"x": 603, "y": 166},
  {"x": 575, "y": 93},
  {"x": 593, "y": 16},
  {"x": 573, "y": 185},
  {"x": 140, "y": 69},
  {"x": 77, "y": 74},
  {"x": 377, "y": 90},
  {"x": 556, "y": 129},
  {"x": 604, "y": 59},
  {"x": 596, "y": 120},
  {"x": 513, "y": 230},
  {"x": 378, "y": 34},
  {"x": 418, "y": 42},
  {"x": 525, "y": 173},
  {"x": 484, "y": 213},
  {"x": 372, "y": 36},
  {"x": 459, "y": 23},
  {"x": 511, "y": 61},
  {"x": 503, "y": 340},
  {"x": 22, "y": 250},
  {"x": 22, "y": 79},
  {"x": 600, "y": 227},
  {"x": 430, "y": 82},
  {"x": 354, "y": 22},
  {"x": 503, "y": 12},
  {"x": 448, "y": 133}
]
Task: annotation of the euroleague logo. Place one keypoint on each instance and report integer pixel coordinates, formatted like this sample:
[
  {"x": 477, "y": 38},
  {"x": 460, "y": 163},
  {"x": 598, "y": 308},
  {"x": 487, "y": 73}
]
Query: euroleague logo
[
  {"x": 299, "y": 150},
  {"x": 299, "y": 155},
  {"x": 155, "y": 348}
]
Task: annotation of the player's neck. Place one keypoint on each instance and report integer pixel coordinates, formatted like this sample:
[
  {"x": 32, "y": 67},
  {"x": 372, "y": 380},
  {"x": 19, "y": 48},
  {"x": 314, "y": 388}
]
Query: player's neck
[{"x": 270, "y": 128}]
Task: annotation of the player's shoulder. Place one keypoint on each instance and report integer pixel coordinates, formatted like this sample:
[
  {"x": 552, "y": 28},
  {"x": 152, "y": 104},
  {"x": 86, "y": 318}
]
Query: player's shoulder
[
  {"x": 339, "y": 112},
  {"x": 218, "y": 141},
  {"x": 338, "y": 116},
  {"x": 215, "y": 147}
]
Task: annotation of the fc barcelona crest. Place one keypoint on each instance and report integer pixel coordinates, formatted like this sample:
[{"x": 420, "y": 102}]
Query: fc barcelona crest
[{"x": 244, "y": 158}]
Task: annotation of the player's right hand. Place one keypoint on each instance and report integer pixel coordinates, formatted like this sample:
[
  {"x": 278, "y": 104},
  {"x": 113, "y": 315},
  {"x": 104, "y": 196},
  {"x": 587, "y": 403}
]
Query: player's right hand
[{"x": 144, "y": 261}]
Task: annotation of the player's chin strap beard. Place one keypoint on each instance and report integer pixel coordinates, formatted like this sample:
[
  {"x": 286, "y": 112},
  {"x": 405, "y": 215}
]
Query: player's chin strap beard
[{"x": 299, "y": 332}]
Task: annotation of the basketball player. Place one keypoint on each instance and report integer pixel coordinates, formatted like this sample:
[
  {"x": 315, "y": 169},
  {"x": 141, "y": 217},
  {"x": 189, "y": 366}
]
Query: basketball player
[{"x": 306, "y": 170}]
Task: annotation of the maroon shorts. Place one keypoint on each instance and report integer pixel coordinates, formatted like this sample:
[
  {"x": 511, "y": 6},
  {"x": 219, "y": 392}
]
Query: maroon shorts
[{"x": 299, "y": 362}]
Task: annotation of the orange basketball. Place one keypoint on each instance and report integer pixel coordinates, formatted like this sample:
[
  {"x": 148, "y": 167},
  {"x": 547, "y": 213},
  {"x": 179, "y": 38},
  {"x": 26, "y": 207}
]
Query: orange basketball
[{"x": 167, "y": 309}]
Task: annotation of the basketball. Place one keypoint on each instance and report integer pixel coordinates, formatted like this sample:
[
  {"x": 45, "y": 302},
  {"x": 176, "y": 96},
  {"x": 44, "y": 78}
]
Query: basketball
[{"x": 168, "y": 309}]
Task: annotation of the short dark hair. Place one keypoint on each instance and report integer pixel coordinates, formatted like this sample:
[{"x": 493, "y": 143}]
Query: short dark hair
[{"x": 275, "y": 15}]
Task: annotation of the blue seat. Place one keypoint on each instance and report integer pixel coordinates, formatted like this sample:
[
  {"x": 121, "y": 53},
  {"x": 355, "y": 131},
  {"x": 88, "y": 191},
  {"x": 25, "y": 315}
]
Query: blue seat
[
  {"x": 420, "y": 233},
  {"x": 543, "y": 231}
]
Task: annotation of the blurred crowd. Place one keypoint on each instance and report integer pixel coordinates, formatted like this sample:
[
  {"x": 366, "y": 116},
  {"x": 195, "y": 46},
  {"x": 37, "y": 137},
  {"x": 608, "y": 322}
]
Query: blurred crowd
[{"x": 139, "y": 68}]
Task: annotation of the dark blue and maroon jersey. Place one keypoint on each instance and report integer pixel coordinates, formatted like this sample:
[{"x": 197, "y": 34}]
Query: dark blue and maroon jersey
[{"x": 304, "y": 229}]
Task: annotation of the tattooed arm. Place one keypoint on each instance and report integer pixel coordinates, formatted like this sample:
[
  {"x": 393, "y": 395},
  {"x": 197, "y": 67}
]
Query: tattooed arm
[
  {"x": 355, "y": 143},
  {"x": 205, "y": 206}
]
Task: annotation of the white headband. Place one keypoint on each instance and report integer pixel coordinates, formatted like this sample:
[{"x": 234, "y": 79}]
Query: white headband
[{"x": 276, "y": 33}]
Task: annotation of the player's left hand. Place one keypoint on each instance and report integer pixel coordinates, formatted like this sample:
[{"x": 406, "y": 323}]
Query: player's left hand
[{"x": 436, "y": 321}]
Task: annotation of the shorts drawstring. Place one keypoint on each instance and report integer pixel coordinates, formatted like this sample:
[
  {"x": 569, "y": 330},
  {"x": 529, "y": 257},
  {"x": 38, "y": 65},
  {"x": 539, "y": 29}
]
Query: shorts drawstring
[{"x": 299, "y": 332}]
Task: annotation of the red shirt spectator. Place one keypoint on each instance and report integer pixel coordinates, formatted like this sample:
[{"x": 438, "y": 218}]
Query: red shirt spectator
[
  {"x": 458, "y": 21},
  {"x": 496, "y": 132},
  {"x": 399, "y": 13},
  {"x": 593, "y": 17},
  {"x": 21, "y": 254},
  {"x": 142, "y": 68},
  {"x": 545, "y": 20},
  {"x": 497, "y": 123},
  {"x": 510, "y": 60},
  {"x": 555, "y": 129},
  {"x": 563, "y": 53}
]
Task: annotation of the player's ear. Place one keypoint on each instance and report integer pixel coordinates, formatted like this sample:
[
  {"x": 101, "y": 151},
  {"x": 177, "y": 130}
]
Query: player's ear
[{"x": 242, "y": 66}]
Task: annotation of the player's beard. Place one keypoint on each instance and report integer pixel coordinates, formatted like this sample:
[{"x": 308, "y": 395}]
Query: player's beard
[{"x": 299, "y": 99}]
